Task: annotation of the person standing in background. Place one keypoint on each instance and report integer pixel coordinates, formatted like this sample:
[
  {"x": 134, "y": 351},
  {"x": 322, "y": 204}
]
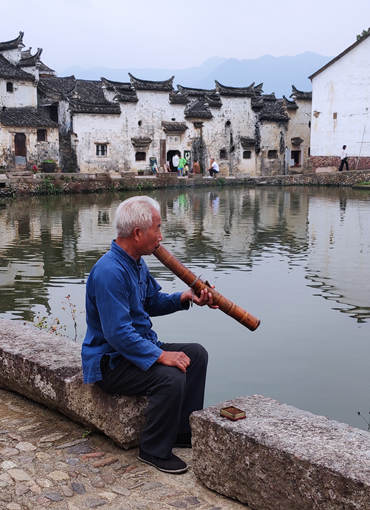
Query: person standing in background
[
  {"x": 343, "y": 158},
  {"x": 175, "y": 162}
]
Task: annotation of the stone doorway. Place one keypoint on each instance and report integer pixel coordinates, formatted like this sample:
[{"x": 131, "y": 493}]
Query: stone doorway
[
  {"x": 170, "y": 155},
  {"x": 20, "y": 149}
]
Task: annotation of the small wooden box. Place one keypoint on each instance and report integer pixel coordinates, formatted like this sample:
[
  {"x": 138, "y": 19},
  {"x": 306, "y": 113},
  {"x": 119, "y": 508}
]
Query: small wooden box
[{"x": 232, "y": 413}]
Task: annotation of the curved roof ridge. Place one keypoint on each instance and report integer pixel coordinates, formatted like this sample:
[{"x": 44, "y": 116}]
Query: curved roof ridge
[
  {"x": 28, "y": 60},
  {"x": 226, "y": 90},
  {"x": 162, "y": 86},
  {"x": 13, "y": 44}
]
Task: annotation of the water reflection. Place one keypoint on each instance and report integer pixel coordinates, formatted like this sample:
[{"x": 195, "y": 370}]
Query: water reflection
[{"x": 295, "y": 257}]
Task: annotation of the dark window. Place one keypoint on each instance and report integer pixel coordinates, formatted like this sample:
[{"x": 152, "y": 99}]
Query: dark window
[
  {"x": 9, "y": 86},
  {"x": 309, "y": 124},
  {"x": 139, "y": 123},
  {"x": 228, "y": 123},
  {"x": 140, "y": 156},
  {"x": 41, "y": 135},
  {"x": 309, "y": 151},
  {"x": 223, "y": 154},
  {"x": 101, "y": 149},
  {"x": 272, "y": 154},
  {"x": 335, "y": 115},
  {"x": 296, "y": 157},
  {"x": 247, "y": 154},
  {"x": 173, "y": 119}
]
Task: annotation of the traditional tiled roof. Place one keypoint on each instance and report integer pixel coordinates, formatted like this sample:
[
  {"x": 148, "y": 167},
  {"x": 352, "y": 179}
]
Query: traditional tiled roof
[
  {"x": 88, "y": 97},
  {"x": 141, "y": 142},
  {"x": 258, "y": 89},
  {"x": 198, "y": 109},
  {"x": 210, "y": 96},
  {"x": 26, "y": 117},
  {"x": 45, "y": 70},
  {"x": 247, "y": 142},
  {"x": 13, "y": 44},
  {"x": 174, "y": 127},
  {"x": 55, "y": 88},
  {"x": 178, "y": 98},
  {"x": 190, "y": 91},
  {"x": 225, "y": 90},
  {"x": 296, "y": 141},
  {"x": 298, "y": 94},
  {"x": 28, "y": 60},
  {"x": 11, "y": 72},
  {"x": 290, "y": 104},
  {"x": 274, "y": 111},
  {"x": 125, "y": 93},
  {"x": 160, "y": 86}
]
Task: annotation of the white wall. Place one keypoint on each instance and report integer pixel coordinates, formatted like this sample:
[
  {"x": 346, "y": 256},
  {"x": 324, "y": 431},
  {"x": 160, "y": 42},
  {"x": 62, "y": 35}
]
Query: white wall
[
  {"x": 343, "y": 88},
  {"x": 24, "y": 94}
]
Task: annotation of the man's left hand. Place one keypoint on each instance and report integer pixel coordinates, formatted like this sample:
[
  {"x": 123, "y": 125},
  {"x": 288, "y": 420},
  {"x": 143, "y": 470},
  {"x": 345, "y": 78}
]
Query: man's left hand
[{"x": 205, "y": 298}]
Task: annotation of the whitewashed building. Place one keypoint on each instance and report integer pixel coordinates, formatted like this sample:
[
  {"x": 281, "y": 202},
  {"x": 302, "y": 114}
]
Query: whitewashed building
[
  {"x": 109, "y": 126},
  {"x": 28, "y": 136},
  {"x": 340, "y": 108}
]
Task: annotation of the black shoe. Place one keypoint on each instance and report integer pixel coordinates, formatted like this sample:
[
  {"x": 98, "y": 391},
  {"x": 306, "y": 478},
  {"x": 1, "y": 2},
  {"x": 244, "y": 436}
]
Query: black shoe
[
  {"x": 172, "y": 465},
  {"x": 183, "y": 440}
]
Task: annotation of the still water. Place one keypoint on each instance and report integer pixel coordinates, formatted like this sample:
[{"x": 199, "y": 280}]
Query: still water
[{"x": 297, "y": 258}]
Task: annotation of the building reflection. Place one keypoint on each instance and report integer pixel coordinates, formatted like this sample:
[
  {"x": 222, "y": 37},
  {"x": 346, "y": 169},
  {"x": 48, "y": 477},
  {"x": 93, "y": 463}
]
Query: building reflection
[{"x": 47, "y": 241}]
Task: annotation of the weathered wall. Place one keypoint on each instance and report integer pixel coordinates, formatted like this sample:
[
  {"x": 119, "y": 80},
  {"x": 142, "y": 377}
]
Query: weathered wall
[
  {"x": 299, "y": 126},
  {"x": 36, "y": 151},
  {"x": 24, "y": 94},
  {"x": 342, "y": 89}
]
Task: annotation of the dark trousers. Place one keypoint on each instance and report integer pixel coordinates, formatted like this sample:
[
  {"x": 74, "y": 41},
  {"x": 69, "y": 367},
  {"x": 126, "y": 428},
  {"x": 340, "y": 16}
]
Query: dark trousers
[
  {"x": 212, "y": 172},
  {"x": 172, "y": 395},
  {"x": 342, "y": 163}
]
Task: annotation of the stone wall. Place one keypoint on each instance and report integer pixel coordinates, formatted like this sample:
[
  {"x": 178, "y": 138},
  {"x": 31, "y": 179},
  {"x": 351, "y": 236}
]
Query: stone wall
[
  {"x": 361, "y": 163},
  {"x": 129, "y": 181}
]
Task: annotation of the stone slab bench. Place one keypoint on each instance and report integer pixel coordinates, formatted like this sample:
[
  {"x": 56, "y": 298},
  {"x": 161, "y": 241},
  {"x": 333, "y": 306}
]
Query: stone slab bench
[
  {"x": 282, "y": 458},
  {"x": 47, "y": 368}
]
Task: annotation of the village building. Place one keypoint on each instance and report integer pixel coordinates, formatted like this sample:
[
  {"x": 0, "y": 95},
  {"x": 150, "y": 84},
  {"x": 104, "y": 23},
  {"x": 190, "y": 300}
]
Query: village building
[
  {"x": 139, "y": 125},
  {"x": 340, "y": 108},
  {"x": 28, "y": 136}
]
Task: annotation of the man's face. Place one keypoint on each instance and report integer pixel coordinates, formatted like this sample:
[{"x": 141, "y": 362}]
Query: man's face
[{"x": 150, "y": 238}]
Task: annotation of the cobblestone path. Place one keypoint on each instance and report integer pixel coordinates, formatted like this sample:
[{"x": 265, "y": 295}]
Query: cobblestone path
[{"x": 48, "y": 461}]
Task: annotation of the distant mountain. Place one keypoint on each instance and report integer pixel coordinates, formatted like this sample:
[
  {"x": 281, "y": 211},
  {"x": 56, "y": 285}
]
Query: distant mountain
[{"x": 276, "y": 73}]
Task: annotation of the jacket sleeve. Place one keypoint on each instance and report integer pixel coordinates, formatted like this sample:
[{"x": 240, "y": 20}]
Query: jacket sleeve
[{"x": 161, "y": 303}]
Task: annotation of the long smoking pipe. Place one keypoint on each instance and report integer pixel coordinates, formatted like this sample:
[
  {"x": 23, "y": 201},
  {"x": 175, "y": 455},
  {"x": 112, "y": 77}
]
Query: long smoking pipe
[{"x": 187, "y": 276}]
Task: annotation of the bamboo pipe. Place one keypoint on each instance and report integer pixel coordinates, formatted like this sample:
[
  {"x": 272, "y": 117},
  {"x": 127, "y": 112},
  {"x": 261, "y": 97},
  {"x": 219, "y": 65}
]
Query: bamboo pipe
[{"x": 187, "y": 276}]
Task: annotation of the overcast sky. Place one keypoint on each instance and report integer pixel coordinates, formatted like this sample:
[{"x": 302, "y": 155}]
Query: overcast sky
[{"x": 179, "y": 33}]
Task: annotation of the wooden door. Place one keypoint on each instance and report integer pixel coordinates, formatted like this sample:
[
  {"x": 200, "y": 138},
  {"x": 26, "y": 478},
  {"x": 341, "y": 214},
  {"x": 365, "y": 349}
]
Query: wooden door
[{"x": 20, "y": 144}]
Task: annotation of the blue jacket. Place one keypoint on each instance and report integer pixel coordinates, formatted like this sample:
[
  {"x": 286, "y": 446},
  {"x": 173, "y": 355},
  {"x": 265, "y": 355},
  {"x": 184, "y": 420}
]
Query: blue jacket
[{"x": 120, "y": 297}]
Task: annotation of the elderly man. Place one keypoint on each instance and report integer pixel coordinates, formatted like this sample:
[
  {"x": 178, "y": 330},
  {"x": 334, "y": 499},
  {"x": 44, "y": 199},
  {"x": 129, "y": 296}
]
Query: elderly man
[{"x": 122, "y": 353}]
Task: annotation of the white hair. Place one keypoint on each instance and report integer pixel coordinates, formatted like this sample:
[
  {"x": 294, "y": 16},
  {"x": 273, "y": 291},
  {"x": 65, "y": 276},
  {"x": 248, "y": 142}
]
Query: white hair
[{"x": 134, "y": 212}]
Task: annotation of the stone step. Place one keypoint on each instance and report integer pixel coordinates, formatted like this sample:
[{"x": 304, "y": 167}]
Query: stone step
[
  {"x": 281, "y": 458},
  {"x": 47, "y": 368}
]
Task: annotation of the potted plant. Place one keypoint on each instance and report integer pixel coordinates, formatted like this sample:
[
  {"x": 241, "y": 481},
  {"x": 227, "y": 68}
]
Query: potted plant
[{"x": 48, "y": 166}]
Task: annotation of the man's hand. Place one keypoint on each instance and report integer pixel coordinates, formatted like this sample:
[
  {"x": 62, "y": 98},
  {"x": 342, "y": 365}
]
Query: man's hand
[
  {"x": 174, "y": 359},
  {"x": 205, "y": 298}
]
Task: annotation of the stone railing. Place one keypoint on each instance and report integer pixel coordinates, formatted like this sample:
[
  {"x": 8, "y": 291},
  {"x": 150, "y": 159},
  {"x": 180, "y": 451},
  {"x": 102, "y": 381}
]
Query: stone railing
[
  {"x": 47, "y": 368},
  {"x": 282, "y": 458},
  {"x": 278, "y": 458}
]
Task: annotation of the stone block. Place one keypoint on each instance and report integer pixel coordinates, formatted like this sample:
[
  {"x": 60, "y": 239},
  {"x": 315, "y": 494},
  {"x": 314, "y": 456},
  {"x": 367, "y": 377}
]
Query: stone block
[
  {"x": 281, "y": 458},
  {"x": 326, "y": 170},
  {"x": 47, "y": 368}
]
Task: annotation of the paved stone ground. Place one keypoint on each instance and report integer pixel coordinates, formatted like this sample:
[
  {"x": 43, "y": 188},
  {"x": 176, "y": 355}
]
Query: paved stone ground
[{"x": 47, "y": 461}]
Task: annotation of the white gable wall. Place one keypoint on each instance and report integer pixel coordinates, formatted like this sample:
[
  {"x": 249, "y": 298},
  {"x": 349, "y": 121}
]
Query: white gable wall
[
  {"x": 24, "y": 94},
  {"x": 343, "y": 88}
]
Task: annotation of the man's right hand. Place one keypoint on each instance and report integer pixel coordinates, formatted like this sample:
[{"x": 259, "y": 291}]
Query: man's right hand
[{"x": 174, "y": 359}]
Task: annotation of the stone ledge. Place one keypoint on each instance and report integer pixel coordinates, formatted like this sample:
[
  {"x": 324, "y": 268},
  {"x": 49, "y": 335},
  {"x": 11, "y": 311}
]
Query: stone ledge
[
  {"x": 281, "y": 458},
  {"x": 47, "y": 368}
]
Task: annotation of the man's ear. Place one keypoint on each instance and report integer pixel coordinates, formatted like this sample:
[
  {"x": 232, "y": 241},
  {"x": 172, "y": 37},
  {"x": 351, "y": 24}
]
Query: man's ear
[{"x": 136, "y": 234}]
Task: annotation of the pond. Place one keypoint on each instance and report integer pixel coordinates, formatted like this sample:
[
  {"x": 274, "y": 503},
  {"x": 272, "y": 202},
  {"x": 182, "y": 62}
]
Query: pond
[{"x": 297, "y": 258}]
